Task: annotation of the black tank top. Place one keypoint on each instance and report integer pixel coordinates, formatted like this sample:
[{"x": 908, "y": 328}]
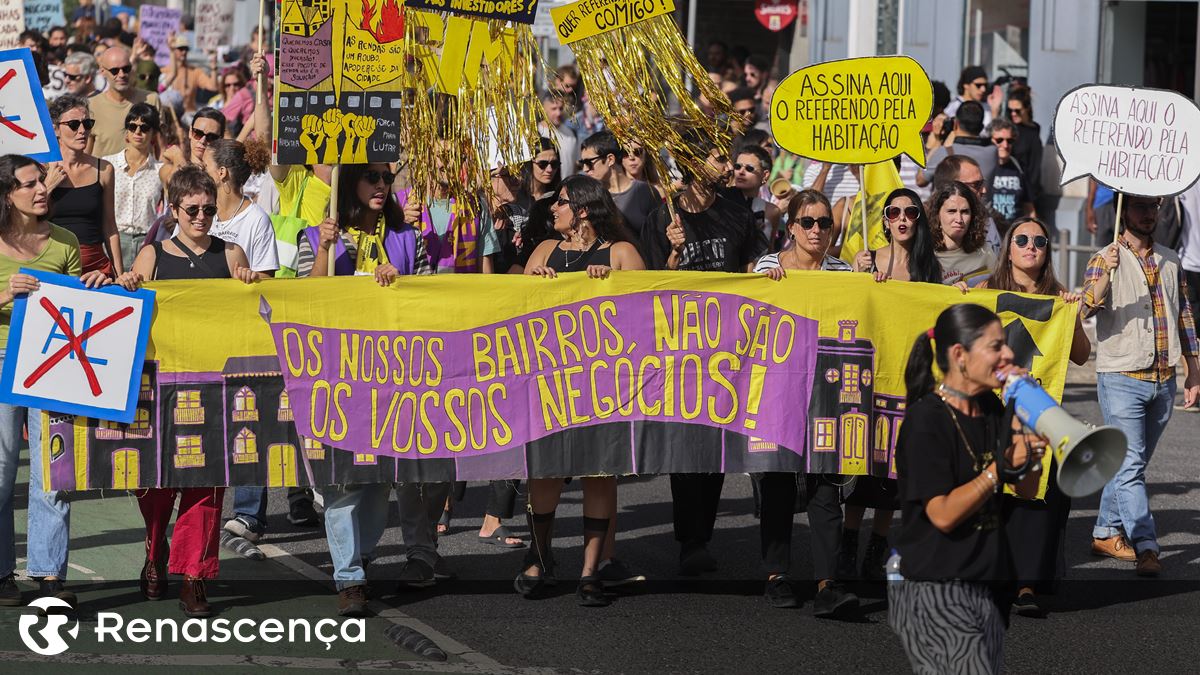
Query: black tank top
[
  {"x": 578, "y": 261},
  {"x": 80, "y": 210},
  {"x": 208, "y": 265}
]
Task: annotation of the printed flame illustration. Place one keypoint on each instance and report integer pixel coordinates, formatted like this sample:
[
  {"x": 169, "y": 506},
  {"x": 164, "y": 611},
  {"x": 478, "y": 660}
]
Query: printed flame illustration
[{"x": 386, "y": 24}]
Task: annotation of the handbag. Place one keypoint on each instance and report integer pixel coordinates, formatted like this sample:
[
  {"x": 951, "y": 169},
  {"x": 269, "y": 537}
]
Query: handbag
[{"x": 287, "y": 234}]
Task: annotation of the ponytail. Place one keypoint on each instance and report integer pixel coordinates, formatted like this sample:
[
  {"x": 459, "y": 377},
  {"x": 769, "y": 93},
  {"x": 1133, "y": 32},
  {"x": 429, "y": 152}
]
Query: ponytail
[
  {"x": 918, "y": 374},
  {"x": 961, "y": 324}
]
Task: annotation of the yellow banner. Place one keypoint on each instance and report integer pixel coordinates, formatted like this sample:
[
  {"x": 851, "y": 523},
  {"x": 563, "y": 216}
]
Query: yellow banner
[{"x": 583, "y": 19}]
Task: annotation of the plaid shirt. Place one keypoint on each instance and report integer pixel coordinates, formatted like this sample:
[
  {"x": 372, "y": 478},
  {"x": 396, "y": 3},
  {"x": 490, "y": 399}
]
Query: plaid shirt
[{"x": 1161, "y": 369}]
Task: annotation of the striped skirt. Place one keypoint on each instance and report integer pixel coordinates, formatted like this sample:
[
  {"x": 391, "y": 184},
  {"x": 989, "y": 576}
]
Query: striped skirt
[{"x": 947, "y": 627}]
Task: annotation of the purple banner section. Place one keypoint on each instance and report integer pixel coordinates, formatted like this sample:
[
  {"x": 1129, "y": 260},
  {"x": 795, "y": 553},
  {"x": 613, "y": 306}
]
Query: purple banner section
[
  {"x": 306, "y": 61},
  {"x": 711, "y": 359}
]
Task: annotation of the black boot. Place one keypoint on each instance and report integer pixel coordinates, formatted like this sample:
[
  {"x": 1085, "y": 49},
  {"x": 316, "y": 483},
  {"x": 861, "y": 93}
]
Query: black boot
[
  {"x": 541, "y": 531},
  {"x": 875, "y": 559},
  {"x": 847, "y": 560}
]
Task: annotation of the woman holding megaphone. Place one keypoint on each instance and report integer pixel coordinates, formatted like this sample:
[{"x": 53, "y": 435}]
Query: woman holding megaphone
[{"x": 956, "y": 450}]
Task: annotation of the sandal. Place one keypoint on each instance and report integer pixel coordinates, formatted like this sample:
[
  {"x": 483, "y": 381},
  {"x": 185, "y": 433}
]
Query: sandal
[
  {"x": 443, "y": 523},
  {"x": 500, "y": 537}
]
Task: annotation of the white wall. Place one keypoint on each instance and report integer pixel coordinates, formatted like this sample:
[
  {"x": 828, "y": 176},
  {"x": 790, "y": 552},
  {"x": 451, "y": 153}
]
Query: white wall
[{"x": 933, "y": 35}]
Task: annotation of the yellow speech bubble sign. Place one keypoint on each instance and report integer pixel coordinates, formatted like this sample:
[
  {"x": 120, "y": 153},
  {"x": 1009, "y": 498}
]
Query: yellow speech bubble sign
[
  {"x": 854, "y": 111},
  {"x": 586, "y": 18}
]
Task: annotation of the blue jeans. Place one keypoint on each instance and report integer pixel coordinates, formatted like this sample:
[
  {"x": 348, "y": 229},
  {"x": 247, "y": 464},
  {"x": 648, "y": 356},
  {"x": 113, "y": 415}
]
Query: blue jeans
[
  {"x": 250, "y": 504},
  {"x": 1141, "y": 410},
  {"x": 355, "y": 517},
  {"x": 49, "y": 512}
]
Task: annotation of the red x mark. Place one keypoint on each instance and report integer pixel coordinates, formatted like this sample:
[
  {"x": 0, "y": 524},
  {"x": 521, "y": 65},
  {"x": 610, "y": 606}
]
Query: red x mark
[
  {"x": 74, "y": 344},
  {"x": 7, "y": 122}
]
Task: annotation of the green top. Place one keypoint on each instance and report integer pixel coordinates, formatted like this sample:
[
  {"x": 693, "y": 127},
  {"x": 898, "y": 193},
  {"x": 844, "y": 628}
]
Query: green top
[{"x": 61, "y": 255}]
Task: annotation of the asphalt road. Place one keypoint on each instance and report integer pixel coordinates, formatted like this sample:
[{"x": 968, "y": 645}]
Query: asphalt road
[{"x": 1103, "y": 619}]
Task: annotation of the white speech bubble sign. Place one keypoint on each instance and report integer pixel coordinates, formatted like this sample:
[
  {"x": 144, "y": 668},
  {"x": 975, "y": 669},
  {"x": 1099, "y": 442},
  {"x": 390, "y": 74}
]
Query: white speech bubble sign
[{"x": 1135, "y": 140}]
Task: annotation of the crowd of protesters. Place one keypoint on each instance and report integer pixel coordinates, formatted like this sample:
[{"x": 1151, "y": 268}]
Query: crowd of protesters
[{"x": 166, "y": 174}]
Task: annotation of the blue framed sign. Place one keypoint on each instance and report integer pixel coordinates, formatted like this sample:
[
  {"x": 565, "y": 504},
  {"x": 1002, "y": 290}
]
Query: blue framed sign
[{"x": 25, "y": 126}]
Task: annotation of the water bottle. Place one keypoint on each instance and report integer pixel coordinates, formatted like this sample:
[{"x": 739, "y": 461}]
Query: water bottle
[{"x": 893, "y": 568}]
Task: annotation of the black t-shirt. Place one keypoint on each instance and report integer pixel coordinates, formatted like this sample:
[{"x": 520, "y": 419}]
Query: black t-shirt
[
  {"x": 932, "y": 460},
  {"x": 636, "y": 204},
  {"x": 1008, "y": 191},
  {"x": 722, "y": 238}
]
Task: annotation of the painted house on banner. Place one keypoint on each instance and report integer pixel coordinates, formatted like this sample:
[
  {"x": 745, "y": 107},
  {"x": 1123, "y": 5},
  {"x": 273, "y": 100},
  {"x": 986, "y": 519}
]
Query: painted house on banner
[{"x": 204, "y": 429}]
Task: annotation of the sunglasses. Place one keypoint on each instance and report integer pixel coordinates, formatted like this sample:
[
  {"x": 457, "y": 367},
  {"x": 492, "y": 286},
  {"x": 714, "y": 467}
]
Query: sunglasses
[
  {"x": 1002, "y": 141},
  {"x": 562, "y": 201},
  {"x": 139, "y": 128},
  {"x": 910, "y": 212},
  {"x": 1022, "y": 240},
  {"x": 975, "y": 186},
  {"x": 637, "y": 152},
  {"x": 77, "y": 78},
  {"x": 232, "y": 84},
  {"x": 544, "y": 163},
  {"x": 74, "y": 125},
  {"x": 1015, "y": 111},
  {"x": 209, "y": 210},
  {"x": 210, "y": 137},
  {"x": 979, "y": 85},
  {"x": 824, "y": 222},
  {"x": 183, "y": 49},
  {"x": 744, "y": 111},
  {"x": 586, "y": 164},
  {"x": 120, "y": 70},
  {"x": 744, "y": 167},
  {"x": 374, "y": 177}
]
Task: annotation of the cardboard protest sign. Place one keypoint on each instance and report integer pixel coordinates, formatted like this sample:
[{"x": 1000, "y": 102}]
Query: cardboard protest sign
[
  {"x": 854, "y": 111},
  {"x": 12, "y": 22},
  {"x": 41, "y": 15},
  {"x": 25, "y": 126},
  {"x": 1133, "y": 140},
  {"x": 460, "y": 377},
  {"x": 587, "y": 18},
  {"x": 214, "y": 24},
  {"x": 77, "y": 350},
  {"x": 519, "y": 11},
  {"x": 337, "y": 94},
  {"x": 155, "y": 24}
]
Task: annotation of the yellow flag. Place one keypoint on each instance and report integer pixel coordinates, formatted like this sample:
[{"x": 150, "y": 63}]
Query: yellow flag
[{"x": 878, "y": 181}]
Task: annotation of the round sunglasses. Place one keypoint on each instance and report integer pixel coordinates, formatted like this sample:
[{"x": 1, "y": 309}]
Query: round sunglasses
[
  {"x": 910, "y": 212},
  {"x": 209, "y": 210},
  {"x": 1022, "y": 240}
]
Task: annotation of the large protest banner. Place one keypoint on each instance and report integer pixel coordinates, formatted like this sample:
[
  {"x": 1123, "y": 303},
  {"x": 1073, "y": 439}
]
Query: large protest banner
[
  {"x": 451, "y": 378},
  {"x": 12, "y": 23},
  {"x": 155, "y": 25},
  {"x": 42, "y": 14},
  {"x": 214, "y": 25}
]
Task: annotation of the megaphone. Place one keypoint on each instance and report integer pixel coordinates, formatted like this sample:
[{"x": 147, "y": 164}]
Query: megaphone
[{"x": 1088, "y": 456}]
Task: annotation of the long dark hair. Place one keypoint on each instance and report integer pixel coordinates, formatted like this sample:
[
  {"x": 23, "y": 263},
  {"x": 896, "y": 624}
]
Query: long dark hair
[
  {"x": 544, "y": 144},
  {"x": 923, "y": 265},
  {"x": 605, "y": 218},
  {"x": 960, "y": 324},
  {"x": 349, "y": 208},
  {"x": 977, "y": 232},
  {"x": 9, "y": 166},
  {"x": 1002, "y": 278}
]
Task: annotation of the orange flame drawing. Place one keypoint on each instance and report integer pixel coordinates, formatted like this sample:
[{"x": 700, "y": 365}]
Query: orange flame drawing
[{"x": 386, "y": 24}]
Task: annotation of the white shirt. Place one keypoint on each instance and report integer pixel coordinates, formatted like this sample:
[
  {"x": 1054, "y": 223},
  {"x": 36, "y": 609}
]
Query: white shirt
[
  {"x": 135, "y": 198},
  {"x": 251, "y": 229},
  {"x": 1189, "y": 236},
  {"x": 839, "y": 183}
]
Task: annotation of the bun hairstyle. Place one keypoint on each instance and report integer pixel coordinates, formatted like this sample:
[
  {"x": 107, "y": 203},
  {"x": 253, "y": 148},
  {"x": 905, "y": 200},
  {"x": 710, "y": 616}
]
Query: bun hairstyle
[
  {"x": 242, "y": 160},
  {"x": 961, "y": 324}
]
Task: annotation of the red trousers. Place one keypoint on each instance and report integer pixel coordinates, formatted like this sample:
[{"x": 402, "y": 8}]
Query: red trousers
[{"x": 195, "y": 546}]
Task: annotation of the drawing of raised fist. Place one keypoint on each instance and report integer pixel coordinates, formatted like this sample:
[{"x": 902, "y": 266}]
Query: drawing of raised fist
[
  {"x": 312, "y": 132},
  {"x": 331, "y": 122},
  {"x": 347, "y": 123},
  {"x": 364, "y": 128}
]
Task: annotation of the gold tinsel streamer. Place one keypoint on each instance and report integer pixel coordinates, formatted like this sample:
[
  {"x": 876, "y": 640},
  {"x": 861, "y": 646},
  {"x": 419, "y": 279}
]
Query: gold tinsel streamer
[
  {"x": 632, "y": 73},
  {"x": 454, "y": 131}
]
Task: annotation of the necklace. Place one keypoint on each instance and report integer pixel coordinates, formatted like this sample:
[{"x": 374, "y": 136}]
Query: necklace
[
  {"x": 567, "y": 262},
  {"x": 236, "y": 211},
  {"x": 951, "y": 391}
]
